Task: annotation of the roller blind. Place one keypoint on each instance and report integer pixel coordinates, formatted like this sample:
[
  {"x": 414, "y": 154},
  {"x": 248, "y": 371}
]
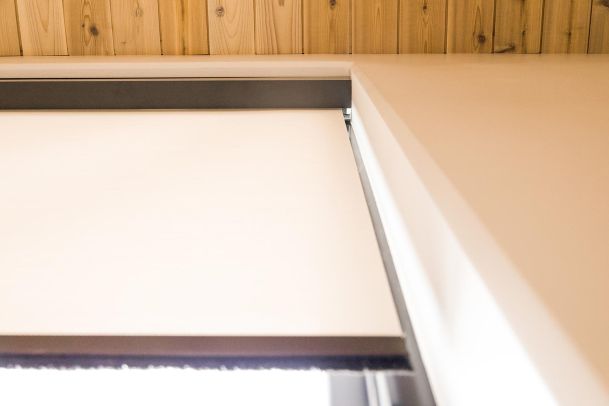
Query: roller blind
[{"x": 244, "y": 225}]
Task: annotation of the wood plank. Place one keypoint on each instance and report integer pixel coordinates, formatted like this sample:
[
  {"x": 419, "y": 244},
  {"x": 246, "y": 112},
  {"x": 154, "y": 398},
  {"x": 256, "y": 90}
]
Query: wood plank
[
  {"x": 599, "y": 28},
  {"x": 183, "y": 27},
  {"x": 375, "y": 26},
  {"x": 566, "y": 26},
  {"x": 9, "y": 31},
  {"x": 518, "y": 26},
  {"x": 41, "y": 24},
  {"x": 88, "y": 27},
  {"x": 278, "y": 26},
  {"x": 327, "y": 27},
  {"x": 470, "y": 26},
  {"x": 422, "y": 26},
  {"x": 136, "y": 27},
  {"x": 231, "y": 27}
]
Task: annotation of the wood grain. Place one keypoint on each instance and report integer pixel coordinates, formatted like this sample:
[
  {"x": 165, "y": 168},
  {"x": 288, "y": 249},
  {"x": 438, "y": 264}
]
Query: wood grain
[
  {"x": 196, "y": 27},
  {"x": 183, "y": 27},
  {"x": 231, "y": 27},
  {"x": 41, "y": 24},
  {"x": 136, "y": 27},
  {"x": 566, "y": 26},
  {"x": 518, "y": 26},
  {"x": 470, "y": 26},
  {"x": 88, "y": 27},
  {"x": 9, "y": 31},
  {"x": 327, "y": 27},
  {"x": 278, "y": 26},
  {"x": 422, "y": 26},
  {"x": 375, "y": 26},
  {"x": 599, "y": 28}
]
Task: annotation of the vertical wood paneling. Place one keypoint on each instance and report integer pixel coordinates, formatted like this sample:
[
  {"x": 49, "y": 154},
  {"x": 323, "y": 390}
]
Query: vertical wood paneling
[
  {"x": 183, "y": 27},
  {"x": 193, "y": 27},
  {"x": 278, "y": 26},
  {"x": 9, "y": 34},
  {"x": 422, "y": 26},
  {"x": 470, "y": 26},
  {"x": 518, "y": 26},
  {"x": 327, "y": 27},
  {"x": 231, "y": 27},
  {"x": 136, "y": 27},
  {"x": 375, "y": 26},
  {"x": 42, "y": 28},
  {"x": 566, "y": 25},
  {"x": 599, "y": 27},
  {"x": 88, "y": 27}
]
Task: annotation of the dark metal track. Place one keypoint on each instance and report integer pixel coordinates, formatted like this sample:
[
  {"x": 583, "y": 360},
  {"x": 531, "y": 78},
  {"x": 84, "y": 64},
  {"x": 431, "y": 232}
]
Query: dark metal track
[
  {"x": 96, "y": 94},
  {"x": 421, "y": 393}
]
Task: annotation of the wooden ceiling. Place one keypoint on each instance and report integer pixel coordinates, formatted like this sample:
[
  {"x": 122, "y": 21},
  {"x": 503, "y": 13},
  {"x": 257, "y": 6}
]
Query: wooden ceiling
[{"x": 175, "y": 27}]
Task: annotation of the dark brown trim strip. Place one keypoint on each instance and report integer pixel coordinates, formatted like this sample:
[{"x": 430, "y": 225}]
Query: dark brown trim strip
[
  {"x": 52, "y": 94},
  {"x": 185, "y": 346}
]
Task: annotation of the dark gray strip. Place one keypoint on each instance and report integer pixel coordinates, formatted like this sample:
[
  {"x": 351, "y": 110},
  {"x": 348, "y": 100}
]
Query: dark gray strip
[
  {"x": 423, "y": 395},
  {"x": 292, "y": 362},
  {"x": 203, "y": 346},
  {"x": 173, "y": 94}
]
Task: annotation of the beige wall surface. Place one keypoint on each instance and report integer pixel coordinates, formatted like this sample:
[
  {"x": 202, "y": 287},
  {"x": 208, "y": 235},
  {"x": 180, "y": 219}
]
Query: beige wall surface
[
  {"x": 514, "y": 151},
  {"x": 230, "y": 66},
  {"x": 526, "y": 143}
]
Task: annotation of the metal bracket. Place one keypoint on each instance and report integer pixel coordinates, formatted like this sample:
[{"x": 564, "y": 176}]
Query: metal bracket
[{"x": 347, "y": 116}]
